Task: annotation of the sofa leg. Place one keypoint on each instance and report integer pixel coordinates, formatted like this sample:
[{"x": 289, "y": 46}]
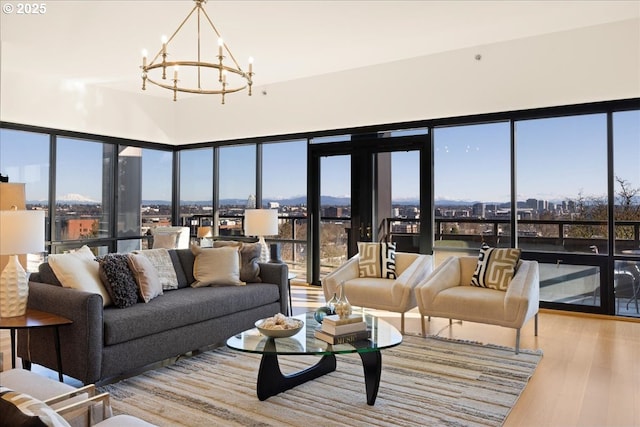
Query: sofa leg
[
  {"x": 535, "y": 323},
  {"x": 518, "y": 341}
]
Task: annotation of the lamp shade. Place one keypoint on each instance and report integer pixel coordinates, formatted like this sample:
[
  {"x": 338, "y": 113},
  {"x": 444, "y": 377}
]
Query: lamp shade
[
  {"x": 204, "y": 232},
  {"x": 260, "y": 222},
  {"x": 21, "y": 232}
]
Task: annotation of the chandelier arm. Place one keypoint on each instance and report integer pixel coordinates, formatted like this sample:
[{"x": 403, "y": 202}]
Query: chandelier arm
[
  {"x": 223, "y": 42},
  {"x": 175, "y": 32}
]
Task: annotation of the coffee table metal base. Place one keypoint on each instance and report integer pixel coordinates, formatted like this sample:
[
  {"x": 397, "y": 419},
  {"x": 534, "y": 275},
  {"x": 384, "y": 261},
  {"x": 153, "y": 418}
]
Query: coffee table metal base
[{"x": 272, "y": 381}]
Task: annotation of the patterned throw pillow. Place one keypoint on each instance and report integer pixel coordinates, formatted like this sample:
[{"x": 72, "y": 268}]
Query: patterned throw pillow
[
  {"x": 118, "y": 279},
  {"x": 377, "y": 259},
  {"x": 161, "y": 260},
  {"x": 20, "y": 409},
  {"x": 495, "y": 268}
]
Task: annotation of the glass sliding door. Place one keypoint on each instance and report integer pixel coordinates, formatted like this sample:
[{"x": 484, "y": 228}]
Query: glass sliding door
[
  {"x": 626, "y": 164},
  {"x": 563, "y": 206},
  {"x": 335, "y": 211}
]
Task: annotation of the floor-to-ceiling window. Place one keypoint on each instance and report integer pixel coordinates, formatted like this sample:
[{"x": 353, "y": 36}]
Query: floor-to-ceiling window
[
  {"x": 84, "y": 190},
  {"x": 236, "y": 186},
  {"x": 144, "y": 194},
  {"x": 196, "y": 189},
  {"x": 24, "y": 158},
  {"x": 472, "y": 188},
  {"x": 284, "y": 187}
]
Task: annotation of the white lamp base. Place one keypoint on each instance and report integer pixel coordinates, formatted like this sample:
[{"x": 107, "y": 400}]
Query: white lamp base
[
  {"x": 14, "y": 289},
  {"x": 264, "y": 250}
]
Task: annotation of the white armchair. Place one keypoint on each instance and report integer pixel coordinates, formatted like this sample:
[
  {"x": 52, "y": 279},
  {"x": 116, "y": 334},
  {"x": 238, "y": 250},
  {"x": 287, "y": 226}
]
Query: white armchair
[
  {"x": 448, "y": 293},
  {"x": 395, "y": 295}
]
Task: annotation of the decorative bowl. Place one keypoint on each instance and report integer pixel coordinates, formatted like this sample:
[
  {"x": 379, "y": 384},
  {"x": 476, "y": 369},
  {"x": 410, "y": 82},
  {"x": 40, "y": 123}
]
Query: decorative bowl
[{"x": 279, "y": 333}]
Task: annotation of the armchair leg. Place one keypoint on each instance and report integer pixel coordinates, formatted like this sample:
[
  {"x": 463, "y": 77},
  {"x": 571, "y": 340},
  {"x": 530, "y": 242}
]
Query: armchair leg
[
  {"x": 424, "y": 332},
  {"x": 450, "y": 322},
  {"x": 535, "y": 323},
  {"x": 518, "y": 341},
  {"x": 402, "y": 323}
]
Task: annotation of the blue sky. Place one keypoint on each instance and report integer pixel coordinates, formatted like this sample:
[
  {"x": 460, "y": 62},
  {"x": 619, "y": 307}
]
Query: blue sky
[{"x": 556, "y": 158}]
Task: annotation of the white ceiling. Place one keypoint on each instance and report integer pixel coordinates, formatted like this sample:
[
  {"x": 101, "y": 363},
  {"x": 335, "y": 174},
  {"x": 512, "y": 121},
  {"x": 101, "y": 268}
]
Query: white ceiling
[
  {"x": 324, "y": 64},
  {"x": 100, "y": 41}
]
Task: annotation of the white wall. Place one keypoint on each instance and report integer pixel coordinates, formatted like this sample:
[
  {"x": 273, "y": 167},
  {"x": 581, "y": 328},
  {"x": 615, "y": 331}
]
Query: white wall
[{"x": 591, "y": 64}]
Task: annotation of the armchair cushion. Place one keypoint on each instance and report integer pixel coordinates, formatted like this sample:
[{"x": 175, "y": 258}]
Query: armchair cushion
[
  {"x": 377, "y": 259},
  {"x": 495, "y": 268}
]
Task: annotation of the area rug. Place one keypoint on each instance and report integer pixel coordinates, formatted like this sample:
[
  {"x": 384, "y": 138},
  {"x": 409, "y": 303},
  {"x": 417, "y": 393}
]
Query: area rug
[{"x": 425, "y": 382}]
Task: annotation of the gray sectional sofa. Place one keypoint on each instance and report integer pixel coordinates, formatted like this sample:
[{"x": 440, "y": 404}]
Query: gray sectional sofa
[{"x": 105, "y": 342}]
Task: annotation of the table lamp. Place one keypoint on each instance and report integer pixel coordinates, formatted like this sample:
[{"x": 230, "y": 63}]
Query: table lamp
[
  {"x": 21, "y": 232},
  {"x": 204, "y": 233},
  {"x": 260, "y": 223}
]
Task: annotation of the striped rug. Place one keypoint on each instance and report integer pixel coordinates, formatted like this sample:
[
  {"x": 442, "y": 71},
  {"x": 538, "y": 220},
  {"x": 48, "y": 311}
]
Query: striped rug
[{"x": 425, "y": 382}]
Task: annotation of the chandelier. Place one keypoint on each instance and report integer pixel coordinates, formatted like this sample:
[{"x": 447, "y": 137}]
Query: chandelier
[{"x": 188, "y": 75}]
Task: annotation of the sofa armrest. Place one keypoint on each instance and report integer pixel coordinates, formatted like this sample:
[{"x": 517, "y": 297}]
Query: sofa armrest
[
  {"x": 279, "y": 275},
  {"x": 347, "y": 271},
  {"x": 80, "y": 342}
]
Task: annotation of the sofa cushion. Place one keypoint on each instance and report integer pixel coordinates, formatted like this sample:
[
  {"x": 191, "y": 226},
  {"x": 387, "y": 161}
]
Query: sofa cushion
[
  {"x": 495, "y": 267},
  {"x": 216, "y": 266},
  {"x": 22, "y": 410},
  {"x": 146, "y": 276},
  {"x": 118, "y": 279},
  {"x": 79, "y": 270},
  {"x": 377, "y": 259},
  {"x": 249, "y": 258},
  {"x": 184, "y": 307}
]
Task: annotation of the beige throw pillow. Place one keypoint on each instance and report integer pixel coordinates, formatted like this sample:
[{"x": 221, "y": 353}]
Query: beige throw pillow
[
  {"x": 249, "y": 258},
  {"x": 216, "y": 266},
  {"x": 146, "y": 276},
  {"x": 495, "y": 267},
  {"x": 165, "y": 240},
  {"x": 79, "y": 270}
]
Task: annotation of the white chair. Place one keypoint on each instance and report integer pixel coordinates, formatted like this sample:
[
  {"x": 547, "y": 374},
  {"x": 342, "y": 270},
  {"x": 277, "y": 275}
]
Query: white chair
[
  {"x": 448, "y": 293},
  {"x": 396, "y": 295}
]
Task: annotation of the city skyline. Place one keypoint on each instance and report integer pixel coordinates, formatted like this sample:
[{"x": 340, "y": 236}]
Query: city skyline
[{"x": 556, "y": 159}]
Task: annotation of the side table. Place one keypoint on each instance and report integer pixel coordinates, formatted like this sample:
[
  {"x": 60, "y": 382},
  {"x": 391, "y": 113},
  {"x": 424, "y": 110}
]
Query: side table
[{"x": 35, "y": 319}]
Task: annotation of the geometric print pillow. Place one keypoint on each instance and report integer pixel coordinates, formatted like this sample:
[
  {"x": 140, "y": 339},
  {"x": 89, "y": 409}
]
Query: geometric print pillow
[
  {"x": 19, "y": 409},
  {"x": 377, "y": 260},
  {"x": 495, "y": 268}
]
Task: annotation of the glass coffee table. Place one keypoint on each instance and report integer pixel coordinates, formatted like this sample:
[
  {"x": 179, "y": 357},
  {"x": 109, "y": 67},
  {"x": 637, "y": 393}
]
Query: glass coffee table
[{"x": 272, "y": 381}]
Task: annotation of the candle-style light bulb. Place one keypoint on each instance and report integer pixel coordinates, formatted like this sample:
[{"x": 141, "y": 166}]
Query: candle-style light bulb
[
  {"x": 144, "y": 57},
  {"x": 175, "y": 72},
  {"x": 250, "y": 64},
  {"x": 164, "y": 40},
  {"x": 220, "y": 44}
]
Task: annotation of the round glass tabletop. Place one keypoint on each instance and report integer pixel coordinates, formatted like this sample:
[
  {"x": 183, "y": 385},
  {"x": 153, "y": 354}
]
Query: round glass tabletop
[{"x": 383, "y": 335}]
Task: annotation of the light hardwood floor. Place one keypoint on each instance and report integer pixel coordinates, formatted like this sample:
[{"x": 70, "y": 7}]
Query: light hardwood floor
[{"x": 589, "y": 374}]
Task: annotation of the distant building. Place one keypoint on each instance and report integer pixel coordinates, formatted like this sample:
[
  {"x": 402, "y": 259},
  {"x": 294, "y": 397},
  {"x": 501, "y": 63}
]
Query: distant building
[{"x": 479, "y": 210}]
